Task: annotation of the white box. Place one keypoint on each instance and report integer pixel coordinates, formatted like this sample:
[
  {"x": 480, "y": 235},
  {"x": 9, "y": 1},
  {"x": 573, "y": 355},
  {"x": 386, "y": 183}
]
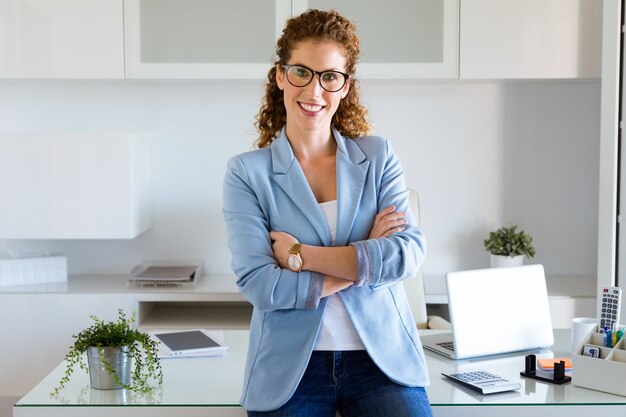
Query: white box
[
  {"x": 26, "y": 271},
  {"x": 605, "y": 373}
]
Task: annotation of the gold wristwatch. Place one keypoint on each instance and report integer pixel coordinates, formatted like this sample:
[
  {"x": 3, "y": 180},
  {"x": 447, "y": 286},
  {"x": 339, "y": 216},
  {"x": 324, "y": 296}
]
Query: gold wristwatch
[{"x": 294, "y": 259}]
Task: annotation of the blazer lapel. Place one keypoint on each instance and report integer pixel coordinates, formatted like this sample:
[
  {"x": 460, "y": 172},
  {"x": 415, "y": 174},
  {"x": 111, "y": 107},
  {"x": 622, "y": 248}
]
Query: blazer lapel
[
  {"x": 352, "y": 167},
  {"x": 289, "y": 177}
]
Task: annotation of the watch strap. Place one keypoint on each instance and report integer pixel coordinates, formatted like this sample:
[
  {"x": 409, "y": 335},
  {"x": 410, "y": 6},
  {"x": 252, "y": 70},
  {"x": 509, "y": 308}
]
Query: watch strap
[{"x": 295, "y": 249}]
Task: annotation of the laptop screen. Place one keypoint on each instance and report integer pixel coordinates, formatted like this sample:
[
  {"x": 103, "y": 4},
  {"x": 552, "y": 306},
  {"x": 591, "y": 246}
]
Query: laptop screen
[{"x": 499, "y": 310}]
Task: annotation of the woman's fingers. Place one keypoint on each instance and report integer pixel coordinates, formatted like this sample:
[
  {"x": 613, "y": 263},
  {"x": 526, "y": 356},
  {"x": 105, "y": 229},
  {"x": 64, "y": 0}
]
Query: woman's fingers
[{"x": 388, "y": 222}]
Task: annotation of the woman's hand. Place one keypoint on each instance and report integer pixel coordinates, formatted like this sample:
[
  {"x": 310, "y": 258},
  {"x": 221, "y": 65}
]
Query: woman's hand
[
  {"x": 388, "y": 222},
  {"x": 282, "y": 242},
  {"x": 333, "y": 285}
]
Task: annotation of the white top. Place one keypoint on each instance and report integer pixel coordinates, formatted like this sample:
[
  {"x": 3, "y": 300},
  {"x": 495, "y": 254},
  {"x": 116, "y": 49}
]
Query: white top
[{"x": 337, "y": 331}]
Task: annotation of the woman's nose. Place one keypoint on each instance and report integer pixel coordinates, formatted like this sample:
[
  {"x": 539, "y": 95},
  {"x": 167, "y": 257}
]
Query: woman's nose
[{"x": 315, "y": 85}]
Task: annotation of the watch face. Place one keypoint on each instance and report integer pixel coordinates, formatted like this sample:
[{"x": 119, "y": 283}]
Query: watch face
[{"x": 294, "y": 262}]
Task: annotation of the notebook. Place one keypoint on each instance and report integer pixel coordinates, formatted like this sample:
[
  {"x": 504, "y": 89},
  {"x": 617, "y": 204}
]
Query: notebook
[
  {"x": 192, "y": 342},
  {"x": 494, "y": 311}
]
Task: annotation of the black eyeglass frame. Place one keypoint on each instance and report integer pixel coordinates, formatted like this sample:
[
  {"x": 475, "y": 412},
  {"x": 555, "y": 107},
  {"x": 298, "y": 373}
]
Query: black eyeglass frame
[{"x": 286, "y": 67}]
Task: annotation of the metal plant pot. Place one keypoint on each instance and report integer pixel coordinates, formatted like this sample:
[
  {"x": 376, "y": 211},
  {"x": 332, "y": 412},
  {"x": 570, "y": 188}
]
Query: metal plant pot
[{"x": 117, "y": 359}]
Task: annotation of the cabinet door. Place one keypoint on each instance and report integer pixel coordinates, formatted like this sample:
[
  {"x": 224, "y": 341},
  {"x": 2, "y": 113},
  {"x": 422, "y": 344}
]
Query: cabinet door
[
  {"x": 91, "y": 186},
  {"x": 61, "y": 39},
  {"x": 202, "y": 38},
  {"x": 530, "y": 38},
  {"x": 401, "y": 38}
]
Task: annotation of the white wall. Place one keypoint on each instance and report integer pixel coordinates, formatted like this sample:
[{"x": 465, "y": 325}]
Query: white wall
[{"x": 480, "y": 154}]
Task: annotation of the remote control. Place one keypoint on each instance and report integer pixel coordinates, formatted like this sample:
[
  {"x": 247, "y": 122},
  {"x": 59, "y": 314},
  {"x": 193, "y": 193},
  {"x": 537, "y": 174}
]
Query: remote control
[
  {"x": 609, "y": 308},
  {"x": 484, "y": 382}
]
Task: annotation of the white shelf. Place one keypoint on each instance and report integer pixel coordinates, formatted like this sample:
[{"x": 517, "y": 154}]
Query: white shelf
[
  {"x": 211, "y": 287},
  {"x": 219, "y": 315},
  {"x": 569, "y": 296},
  {"x": 213, "y": 303},
  {"x": 559, "y": 286}
]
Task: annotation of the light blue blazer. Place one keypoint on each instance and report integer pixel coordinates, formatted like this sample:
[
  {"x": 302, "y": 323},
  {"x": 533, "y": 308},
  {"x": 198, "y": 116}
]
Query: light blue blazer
[{"x": 266, "y": 190}]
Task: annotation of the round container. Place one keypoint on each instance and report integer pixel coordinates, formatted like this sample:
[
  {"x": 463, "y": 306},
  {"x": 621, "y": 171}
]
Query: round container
[
  {"x": 499, "y": 261},
  {"x": 119, "y": 361}
]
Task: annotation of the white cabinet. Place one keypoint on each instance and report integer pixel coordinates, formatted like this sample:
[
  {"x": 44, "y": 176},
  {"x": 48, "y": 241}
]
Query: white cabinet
[
  {"x": 216, "y": 39},
  {"x": 202, "y": 39},
  {"x": 213, "y": 39},
  {"x": 502, "y": 39},
  {"x": 61, "y": 39},
  {"x": 37, "y": 329},
  {"x": 401, "y": 38},
  {"x": 73, "y": 186}
]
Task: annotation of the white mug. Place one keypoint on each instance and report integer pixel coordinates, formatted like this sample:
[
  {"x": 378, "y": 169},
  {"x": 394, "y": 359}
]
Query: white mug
[{"x": 581, "y": 327}]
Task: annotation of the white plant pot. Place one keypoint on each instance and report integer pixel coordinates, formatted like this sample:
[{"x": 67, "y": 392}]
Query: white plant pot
[{"x": 499, "y": 261}]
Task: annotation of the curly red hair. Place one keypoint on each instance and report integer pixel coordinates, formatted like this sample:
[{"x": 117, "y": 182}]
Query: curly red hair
[{"x": 327, "y": 26}]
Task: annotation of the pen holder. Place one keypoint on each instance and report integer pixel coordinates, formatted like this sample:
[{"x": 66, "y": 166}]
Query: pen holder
[{"x": 604, "y": 372}]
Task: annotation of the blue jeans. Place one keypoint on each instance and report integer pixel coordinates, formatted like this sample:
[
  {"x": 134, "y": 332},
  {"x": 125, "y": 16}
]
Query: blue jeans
[{"x": 350, "y": 382}]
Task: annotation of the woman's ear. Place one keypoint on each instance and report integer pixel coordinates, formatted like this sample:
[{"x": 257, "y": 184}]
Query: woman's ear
[{"x": 280, "y": 77}]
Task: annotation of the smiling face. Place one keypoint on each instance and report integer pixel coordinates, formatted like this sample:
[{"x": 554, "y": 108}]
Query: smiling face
[{"x": 310, "y": 108}]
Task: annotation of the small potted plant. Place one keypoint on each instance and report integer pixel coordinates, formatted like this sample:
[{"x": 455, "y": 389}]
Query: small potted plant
[
  {"x": 111, "y": 348},
  {"x": 508, "y": 246}
]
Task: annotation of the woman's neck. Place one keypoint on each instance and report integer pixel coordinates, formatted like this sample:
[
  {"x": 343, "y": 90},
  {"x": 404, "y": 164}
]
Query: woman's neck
[{"x": 312, "y": 145}]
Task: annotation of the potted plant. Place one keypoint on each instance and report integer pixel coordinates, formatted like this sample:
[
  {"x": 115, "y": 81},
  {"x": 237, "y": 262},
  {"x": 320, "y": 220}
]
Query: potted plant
[
  {"x": 111, "y": 348},
  {"x": 508, "y": 246}
]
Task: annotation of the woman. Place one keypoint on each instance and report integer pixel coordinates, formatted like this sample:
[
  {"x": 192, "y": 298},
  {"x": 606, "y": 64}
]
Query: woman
[{"x": 331, "y": 326}]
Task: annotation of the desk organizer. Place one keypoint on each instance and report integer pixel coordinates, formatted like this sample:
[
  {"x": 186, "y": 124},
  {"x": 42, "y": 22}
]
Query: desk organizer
[
  {"x": 26, "y": 271},
  {"x": 605, "y": 373}
]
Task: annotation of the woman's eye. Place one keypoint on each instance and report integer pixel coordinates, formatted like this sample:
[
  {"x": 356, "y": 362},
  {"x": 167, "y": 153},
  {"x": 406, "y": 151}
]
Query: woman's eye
[
  {"x": 330, "y": 76},
  {"x": 302, "y": 72}
]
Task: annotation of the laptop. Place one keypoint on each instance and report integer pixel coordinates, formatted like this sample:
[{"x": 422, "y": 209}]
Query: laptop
[{"x": 495, "y": 311}]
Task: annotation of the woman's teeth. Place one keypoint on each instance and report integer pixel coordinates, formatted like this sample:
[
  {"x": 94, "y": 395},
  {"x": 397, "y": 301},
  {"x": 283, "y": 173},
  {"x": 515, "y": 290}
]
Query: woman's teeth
[{"x": 311, "y": 108}]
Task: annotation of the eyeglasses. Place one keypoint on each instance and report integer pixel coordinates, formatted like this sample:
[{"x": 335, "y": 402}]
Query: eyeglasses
[{"x": 301, "y": 76}]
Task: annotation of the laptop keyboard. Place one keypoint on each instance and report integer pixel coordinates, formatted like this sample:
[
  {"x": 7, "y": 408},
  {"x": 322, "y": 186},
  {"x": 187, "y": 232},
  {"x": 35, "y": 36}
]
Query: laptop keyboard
[{"x": 447, "y": 345}]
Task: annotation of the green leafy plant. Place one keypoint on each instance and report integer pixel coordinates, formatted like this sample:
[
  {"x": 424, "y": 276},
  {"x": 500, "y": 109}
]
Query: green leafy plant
[
  {"x": 141, "y": 348},
  {"x": 508, "y": 241}
]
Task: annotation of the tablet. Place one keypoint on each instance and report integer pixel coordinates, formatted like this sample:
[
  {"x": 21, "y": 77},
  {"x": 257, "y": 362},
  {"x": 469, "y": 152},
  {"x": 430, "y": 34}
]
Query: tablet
[{"x": 187, "y": 341}]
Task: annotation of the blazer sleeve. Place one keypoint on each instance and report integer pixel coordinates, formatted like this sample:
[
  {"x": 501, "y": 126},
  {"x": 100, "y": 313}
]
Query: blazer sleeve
[
  {"x": 259, "y": 277},
  {"x": 383, "y": 261}
]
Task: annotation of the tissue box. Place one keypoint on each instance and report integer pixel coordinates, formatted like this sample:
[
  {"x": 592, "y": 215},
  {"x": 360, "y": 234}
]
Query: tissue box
[{"x": 26, "y": 271}]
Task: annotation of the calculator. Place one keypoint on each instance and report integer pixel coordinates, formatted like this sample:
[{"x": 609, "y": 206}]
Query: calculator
[{"x": 483, "y": 382}]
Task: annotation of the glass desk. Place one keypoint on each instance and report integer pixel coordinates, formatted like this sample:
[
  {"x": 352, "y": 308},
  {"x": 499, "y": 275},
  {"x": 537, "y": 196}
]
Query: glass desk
[
  {"x": 212, "y": 387},
  {"x": 535, "y": 398}
]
